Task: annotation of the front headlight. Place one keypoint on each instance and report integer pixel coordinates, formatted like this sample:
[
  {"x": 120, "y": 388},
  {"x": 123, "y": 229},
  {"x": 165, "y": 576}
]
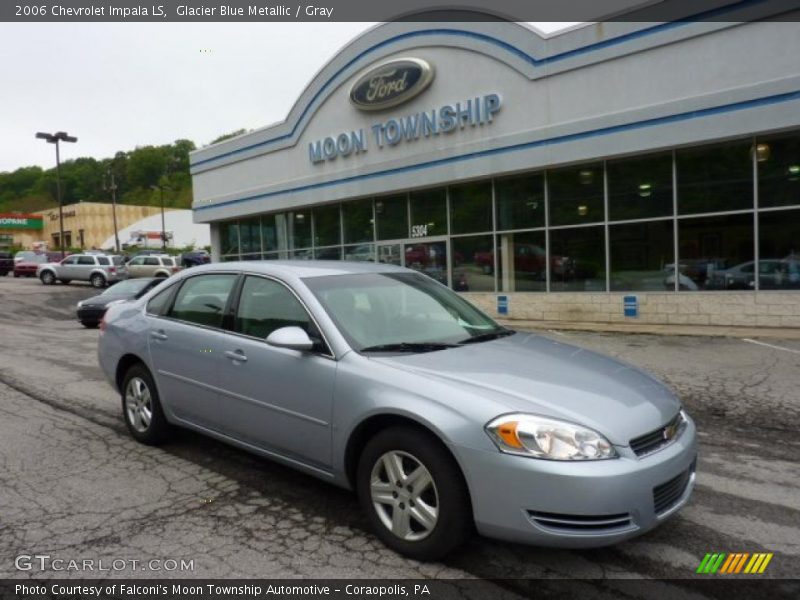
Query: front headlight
[
  {"x": 80, "y": 303},
  {"x": 551, "y": 439}
]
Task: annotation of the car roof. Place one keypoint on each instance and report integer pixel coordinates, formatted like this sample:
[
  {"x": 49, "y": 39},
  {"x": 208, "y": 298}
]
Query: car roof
[{"x": 304, "y": 268}]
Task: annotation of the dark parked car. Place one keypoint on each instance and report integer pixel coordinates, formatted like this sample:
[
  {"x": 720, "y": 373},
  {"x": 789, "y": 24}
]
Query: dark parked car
[
  {"x": 195, "y": 258},
  {"x": 6, "y": 263},
  {"x": 91, "y": 311}
]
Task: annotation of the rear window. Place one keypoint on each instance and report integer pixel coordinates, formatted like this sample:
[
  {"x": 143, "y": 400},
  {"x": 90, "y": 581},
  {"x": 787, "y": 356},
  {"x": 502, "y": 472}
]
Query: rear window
[
  {"x": 168, "y": 262},
  {"x": 103, "y": 260},
  {"x": 118, "y": 260}
]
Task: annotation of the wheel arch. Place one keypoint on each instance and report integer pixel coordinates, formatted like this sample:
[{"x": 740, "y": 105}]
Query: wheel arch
[{"x": 125, "y": 363}]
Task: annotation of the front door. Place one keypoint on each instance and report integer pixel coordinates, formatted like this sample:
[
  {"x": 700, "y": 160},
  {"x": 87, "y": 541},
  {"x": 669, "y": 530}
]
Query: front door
[{"x": 278, "y": 399}]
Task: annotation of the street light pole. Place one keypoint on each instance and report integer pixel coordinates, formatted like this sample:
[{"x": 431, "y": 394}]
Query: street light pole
[
  {"x": 113, "y": 188},
  {"x": 55, "y": 138}
]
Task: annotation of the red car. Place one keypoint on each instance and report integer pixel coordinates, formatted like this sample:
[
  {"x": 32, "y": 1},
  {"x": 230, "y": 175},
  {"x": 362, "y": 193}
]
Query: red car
[{"x": 27, "y": 267}]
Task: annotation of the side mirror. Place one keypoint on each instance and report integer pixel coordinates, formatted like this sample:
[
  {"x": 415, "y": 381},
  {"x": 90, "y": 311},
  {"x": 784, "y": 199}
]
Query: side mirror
[{"x": 291, "y": 337}]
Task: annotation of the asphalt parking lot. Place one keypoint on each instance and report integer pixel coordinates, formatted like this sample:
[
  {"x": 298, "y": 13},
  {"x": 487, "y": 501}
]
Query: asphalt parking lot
[{"x": 73, "y": 483}]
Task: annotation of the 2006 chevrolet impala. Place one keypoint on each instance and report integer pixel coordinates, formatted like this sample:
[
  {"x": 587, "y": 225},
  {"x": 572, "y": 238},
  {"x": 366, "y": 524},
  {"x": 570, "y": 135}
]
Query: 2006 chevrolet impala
[{"x": 380, "y": 379}]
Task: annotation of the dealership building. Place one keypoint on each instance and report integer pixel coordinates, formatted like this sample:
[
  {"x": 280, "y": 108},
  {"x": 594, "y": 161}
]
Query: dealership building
[{"x": 653, "y": 167}]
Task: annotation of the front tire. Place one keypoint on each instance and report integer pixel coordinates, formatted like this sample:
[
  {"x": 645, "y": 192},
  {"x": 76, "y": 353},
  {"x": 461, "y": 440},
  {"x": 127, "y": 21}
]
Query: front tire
[
  {"x": 90, "y": 324},
  {"x": 65, "y": 281},
  {"x": 98, "y": 281},
  {"x": 413, "y": 493},
  {"x": 141, "y": 407},
  {"x": 48, "y": 278}
]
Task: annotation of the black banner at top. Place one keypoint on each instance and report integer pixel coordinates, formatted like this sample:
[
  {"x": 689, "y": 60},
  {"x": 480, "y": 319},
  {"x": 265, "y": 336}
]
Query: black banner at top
[{"x": 386, "y": 10}]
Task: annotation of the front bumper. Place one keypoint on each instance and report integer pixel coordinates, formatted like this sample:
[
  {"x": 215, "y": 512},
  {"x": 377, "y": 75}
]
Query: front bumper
[
  {"x": 93, "y": 314},
  {"x": 578, "y": 504}
]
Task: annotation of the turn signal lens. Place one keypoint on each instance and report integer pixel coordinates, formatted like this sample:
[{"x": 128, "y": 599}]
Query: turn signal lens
[{"x": 546, "y": 438}]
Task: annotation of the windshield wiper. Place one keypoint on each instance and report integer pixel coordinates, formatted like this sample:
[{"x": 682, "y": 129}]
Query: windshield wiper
[
  {"x": 409, "y": 347},
  {"x": 485, "y": 337}
]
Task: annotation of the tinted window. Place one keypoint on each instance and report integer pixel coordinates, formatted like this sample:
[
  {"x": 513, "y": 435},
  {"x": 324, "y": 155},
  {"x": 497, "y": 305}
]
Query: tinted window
[
  {"x": 327, "y": 226},
  {"x": 471, "y": 207},
  {"x": 299, "y": 224},
  {"x": 202, "y": 299},
  {"x": 269, "y": 233},
  {"x": 168, "y": 262},
  {"x": 266, "y": 305},
  {"x": 580, "y": 254},
  {"x": 520, "y": 202},
  {"x": 778, "y": 170},
  {"x": 357, "y": 221},
  {"x": 229, "y": 237},
  {"x": 712, "y": 250},
  {"x": 103, "y": 260},
  {"x": 715, "y": 178},
  {"x": 151, "y": 261},
  {"x": 639, "y": 188},
  {"x": 779, "y": 248},
  {"x": 641, "y": 253},
  {"x": 250, "y": 235},
  {"x": 159, "y": 303},
  {"x": 86, "y": 260},
  {"x": 391, "y": 213},
  {"x": 576, "y": 195},
  {"x": 521, "y": 262},
  {"x": 428, "y": 213}
]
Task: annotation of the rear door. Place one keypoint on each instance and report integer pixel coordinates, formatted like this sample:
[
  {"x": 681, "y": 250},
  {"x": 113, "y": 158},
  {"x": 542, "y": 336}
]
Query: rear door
[
  {"x": 83, "y": 270},
  {"x": 276, "y": 398},
  {"x": 186, "y": 343}
]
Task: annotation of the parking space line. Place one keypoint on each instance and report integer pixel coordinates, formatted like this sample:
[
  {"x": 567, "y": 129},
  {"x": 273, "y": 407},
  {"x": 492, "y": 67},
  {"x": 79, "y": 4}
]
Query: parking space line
[{"x": 771, "y": 345}]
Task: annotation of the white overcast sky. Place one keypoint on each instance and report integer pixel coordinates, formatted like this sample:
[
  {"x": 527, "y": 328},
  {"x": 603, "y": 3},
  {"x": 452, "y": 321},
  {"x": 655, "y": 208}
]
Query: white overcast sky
[{"x": 120, "y": 85}]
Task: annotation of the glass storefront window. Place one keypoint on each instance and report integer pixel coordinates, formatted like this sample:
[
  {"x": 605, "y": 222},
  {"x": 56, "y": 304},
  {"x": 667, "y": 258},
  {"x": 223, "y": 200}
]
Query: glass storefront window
[
  {"x": 640, "y": 188},
  {"x": 520, "y": 202},
  {"x": 778, "y": 162},
  {"x": 779, "y": 250},
  {"x": 256, "y": 256},
  {"x": 391, "y": 213},
  {"x": 270, "y": 256},
  {"x": 299, "y": 223},
  {"x": 327, "y": 229},
  {"x": 357, "y": 217},
  {"x": 576, "y": 195},
  {"x": 522, "y": 262},
  {"x": 471, "y": 207},
  {"x": 713, "y": 252},
  {"x": 471, "y": 255},
  {"x": 642, "y": 256},
  {"x": 715, "y": 178},
  {"x": 429, "y": 258},
  {"x": 301, "y": 254},
  {"x": 334, "y": 253},
  {"x": 361, "y": 252},
  {"x": 229, "y": 237},
  {"x": 428, "y": 213},
  {"x": 579, "y": 253},
  {"x": 250, "y": 235},
  {"x": 269, "y": 233}
]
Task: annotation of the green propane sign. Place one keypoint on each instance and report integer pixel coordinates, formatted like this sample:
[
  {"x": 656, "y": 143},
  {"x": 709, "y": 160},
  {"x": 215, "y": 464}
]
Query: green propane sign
[{"x": 11, "y": 221}]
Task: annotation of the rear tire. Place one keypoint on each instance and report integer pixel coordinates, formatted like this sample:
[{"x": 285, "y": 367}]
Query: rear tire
[
  {"x": 90, "y": 324},
  {"x": 421, "y": 514},
  {"x": 48, "y": 278},
  {"x": 65, "y": 281},
  {"x": 141, "y": 407},
  {"x": 98, "y": 281}
]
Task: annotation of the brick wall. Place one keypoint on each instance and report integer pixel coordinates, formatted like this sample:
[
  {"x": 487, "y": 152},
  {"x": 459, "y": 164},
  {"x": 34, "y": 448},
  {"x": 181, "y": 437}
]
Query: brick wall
[{"x": 762, "y": 309}]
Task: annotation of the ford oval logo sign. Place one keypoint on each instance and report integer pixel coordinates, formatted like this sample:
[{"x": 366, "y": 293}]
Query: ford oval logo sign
[{"x": 391, "y": 83}]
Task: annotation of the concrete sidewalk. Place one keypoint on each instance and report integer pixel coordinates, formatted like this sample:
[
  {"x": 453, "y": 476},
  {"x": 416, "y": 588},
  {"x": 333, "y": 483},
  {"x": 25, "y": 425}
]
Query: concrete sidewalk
[{"x": 782, "y": 333}]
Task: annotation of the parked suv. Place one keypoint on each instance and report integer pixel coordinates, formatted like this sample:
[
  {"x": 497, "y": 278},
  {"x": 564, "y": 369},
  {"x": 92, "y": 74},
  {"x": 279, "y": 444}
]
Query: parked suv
[
  {"x": 97, "y": 269},
  {"x": 195, "y": 258},
  {"x": 6, "y": 263},
  {"x": 152, "y": 266}
]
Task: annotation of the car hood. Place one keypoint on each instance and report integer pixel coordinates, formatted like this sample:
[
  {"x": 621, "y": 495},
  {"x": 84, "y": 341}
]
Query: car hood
[
  {"x": 105, "y": 299},
  {"x": 533, "y": 374}
]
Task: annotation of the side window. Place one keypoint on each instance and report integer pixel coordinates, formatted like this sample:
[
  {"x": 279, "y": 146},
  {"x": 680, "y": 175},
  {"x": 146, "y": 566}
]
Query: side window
[
  {"x": 266, "y": 305},
  {"x": 167, "y": 262},
  {"x": 151, "y": 261},
  {"x": 86, "y": 260},
  {"x": 202, "y": 299},
  {"x": 103, "y": 260},
  {"x": 159, "y": 303},
  {"x": 137, "y": 260},
  {"x": 70, "y": 260}
]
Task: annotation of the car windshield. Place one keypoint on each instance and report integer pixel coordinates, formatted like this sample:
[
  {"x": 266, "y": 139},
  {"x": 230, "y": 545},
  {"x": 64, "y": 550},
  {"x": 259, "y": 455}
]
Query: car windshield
[
  {"x": 129, "y": 286},
  {"x": 400, "y": 312}
]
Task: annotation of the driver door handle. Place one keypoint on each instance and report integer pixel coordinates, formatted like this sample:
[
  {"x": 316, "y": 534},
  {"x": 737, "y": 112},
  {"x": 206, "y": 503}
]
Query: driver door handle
[
  {"x": 237, "y": 356},
  {"x": 158, "y": 335}
]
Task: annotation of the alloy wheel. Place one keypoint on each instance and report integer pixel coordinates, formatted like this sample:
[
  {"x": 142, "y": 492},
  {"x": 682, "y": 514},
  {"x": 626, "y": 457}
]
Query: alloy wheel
[
  {"x": 404, "y": 495},
  {"x": 138, "y": 404}
]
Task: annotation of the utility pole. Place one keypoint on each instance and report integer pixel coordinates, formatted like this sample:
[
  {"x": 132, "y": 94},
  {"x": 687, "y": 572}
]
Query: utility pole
[{"x": 112, "y": 187}]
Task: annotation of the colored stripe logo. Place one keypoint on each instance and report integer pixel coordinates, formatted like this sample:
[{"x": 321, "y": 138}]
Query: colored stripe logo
[{"x": 734, "y": 563}]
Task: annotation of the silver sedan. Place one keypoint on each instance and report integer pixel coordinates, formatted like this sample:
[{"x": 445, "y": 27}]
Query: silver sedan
[{"x": 379, "y": 379}]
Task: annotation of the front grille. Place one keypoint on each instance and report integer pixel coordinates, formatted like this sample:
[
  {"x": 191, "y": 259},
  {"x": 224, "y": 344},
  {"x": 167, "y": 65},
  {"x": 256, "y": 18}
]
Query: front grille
[
  {"x": 655, "y": 440},
  {"x": 666, "y": 495},
  {"x": 580, "y": 523}
]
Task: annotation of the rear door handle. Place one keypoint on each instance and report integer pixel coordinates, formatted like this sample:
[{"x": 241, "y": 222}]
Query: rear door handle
[
  {"x": 158, "y": 335},
  {"x": 237, "y": 356}
]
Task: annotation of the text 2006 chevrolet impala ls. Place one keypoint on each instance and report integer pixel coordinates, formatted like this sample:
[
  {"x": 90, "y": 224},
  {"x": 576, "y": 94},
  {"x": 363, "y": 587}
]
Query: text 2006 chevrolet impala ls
[{"x": 380, "y": 379}]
